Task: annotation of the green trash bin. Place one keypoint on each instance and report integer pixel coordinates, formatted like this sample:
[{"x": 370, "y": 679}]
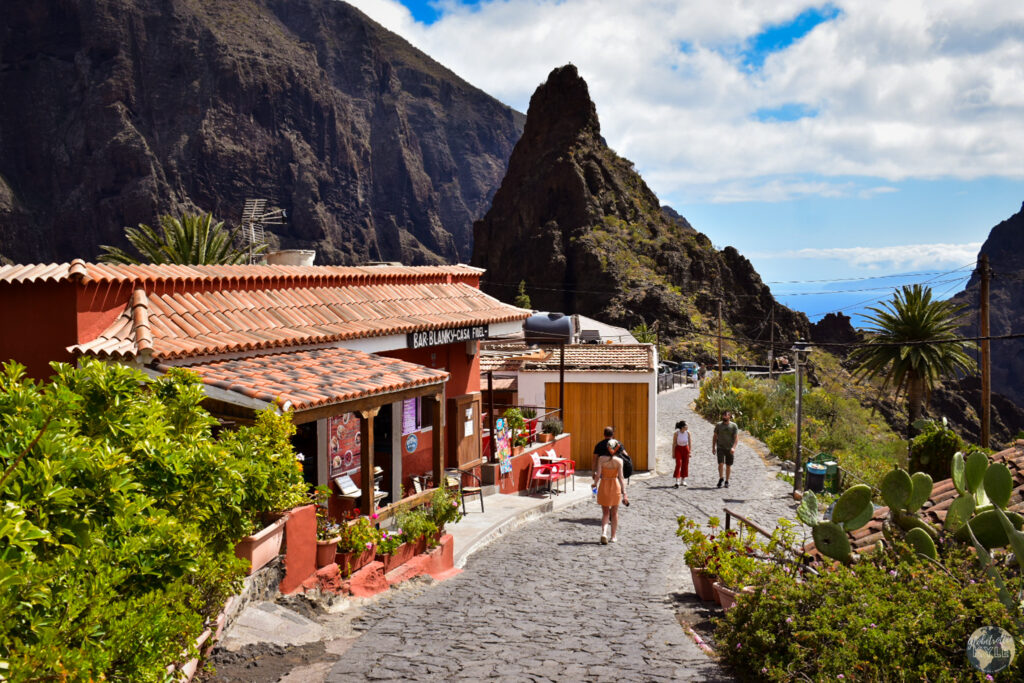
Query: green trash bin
[{"x": 831, "y": 476}]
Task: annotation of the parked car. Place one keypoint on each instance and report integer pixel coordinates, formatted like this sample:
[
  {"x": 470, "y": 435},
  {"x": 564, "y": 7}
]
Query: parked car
[{"x": 690, "y": 367}]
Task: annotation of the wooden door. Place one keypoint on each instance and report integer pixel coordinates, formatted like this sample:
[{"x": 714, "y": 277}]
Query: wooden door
[
  {"x": 464, "y": 430},
  {"x": 589, "y": 408}
]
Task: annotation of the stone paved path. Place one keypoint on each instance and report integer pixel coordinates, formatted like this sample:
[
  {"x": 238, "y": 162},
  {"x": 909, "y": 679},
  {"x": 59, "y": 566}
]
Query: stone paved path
[{"x": 548, "y": 602}]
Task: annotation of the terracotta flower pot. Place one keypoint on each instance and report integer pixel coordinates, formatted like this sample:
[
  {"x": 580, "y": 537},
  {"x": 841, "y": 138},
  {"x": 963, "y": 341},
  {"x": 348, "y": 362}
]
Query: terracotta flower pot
[
  {"x": 263, "y": 546},
  {"x": 703, "y": 585},
  {"x": 325, "y": 552},
  {"x": 351, "y": 562},
  {"x": 727, "y": 596},
  {"x": 402, "y": 554},
  {"x": 545, "y": 437}
]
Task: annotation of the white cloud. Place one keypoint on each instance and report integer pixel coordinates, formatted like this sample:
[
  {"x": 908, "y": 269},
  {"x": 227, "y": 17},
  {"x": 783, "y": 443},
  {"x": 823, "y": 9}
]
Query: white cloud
[
  {"x": 901, "y": 257},
  {"x": 904, "y": 90}
]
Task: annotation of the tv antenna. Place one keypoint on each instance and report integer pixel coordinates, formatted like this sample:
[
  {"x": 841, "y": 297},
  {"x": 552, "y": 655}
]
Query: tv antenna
[{"x": 254, "y": 216}]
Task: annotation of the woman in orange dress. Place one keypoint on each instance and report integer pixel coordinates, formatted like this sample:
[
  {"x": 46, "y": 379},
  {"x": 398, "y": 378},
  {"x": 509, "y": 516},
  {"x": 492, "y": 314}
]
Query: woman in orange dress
[{"x": 610, "y": 491}]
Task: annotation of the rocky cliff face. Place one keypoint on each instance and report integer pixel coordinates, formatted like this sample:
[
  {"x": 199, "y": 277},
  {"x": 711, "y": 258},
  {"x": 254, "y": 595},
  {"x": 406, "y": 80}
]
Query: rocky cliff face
[
  {"x": 1005, "y": 250},
  {"x": 578, "y": 224},
  {"x": 118, "y": 110}
]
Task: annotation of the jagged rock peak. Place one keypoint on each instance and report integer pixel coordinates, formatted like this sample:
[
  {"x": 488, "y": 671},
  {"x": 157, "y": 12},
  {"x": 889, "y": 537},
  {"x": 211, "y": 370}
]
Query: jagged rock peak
[
  {"x": 576, "y": 222},
  {"x": 561, "y": 110}
]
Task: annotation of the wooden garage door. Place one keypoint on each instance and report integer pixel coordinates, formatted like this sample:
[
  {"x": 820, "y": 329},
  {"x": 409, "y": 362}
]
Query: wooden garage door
[{"x": 589, "y": 408}]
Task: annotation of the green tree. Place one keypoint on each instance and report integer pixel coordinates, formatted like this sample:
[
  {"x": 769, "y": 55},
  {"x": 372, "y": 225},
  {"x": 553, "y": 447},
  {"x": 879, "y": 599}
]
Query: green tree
[
  {"x": 190, "y": 240},
  {"x": 913, "y": 346},
  {"x": 522, "y": 299},
  {"x": 644, "y": 334}
]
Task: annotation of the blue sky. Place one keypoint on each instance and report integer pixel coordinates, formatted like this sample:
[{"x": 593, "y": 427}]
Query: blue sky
[{"x": 824, "y": 140}]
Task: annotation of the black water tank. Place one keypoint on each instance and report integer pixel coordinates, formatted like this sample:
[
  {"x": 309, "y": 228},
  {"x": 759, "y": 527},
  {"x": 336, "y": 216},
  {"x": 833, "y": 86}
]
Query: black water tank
[{"x": 548, "y": 328}]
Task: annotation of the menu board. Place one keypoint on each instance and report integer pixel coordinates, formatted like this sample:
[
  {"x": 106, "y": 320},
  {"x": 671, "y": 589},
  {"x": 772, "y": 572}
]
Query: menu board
[
  {"x": 343, "y": 444},
  {"x": 409, "y": 415}
]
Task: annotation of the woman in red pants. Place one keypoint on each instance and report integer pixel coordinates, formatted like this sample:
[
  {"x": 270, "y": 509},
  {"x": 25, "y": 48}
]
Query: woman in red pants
[{"x": 681, "y": 452}]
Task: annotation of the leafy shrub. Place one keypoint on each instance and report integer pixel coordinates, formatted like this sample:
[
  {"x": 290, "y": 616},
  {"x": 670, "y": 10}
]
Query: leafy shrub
[
  {"x": 415, "y": 523},
  {"x": 553, "y": 426},
  {"x": 118, "y": 516},
  {"x": 887, "y": 619},
  {"x": 389, "y": 541},
  {"x": 445, "y": 507},
  {"x": 358, "y": 536},
  {"x": 932, "y": 450}
]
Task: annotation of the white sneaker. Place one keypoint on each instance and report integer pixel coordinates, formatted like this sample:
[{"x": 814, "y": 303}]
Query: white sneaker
[
  {"x": 615, "y": 539},
  {"x": 685, "y": 483},
  {"x": 604, "y": 534}
]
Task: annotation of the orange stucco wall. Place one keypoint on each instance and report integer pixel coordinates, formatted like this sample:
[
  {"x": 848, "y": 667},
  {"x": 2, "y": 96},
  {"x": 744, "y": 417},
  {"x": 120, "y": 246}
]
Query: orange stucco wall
[{"x": 37, "y": 324}]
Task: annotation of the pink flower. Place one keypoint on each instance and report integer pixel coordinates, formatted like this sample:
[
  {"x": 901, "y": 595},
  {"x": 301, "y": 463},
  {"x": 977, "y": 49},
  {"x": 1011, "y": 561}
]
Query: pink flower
[
  {"x": 373, "y": 516},
  {"x": 369, "y": 545},
  {"x": 789, "y": 620},
  {"x": 739, "y": 645},
  {"x": 840, "y": 676}
]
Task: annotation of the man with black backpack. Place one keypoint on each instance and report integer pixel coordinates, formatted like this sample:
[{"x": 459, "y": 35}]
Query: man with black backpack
[{"x": 602, "y": 449}]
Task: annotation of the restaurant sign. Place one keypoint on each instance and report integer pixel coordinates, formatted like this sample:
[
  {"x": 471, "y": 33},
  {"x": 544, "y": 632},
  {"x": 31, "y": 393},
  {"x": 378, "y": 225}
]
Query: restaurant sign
[{"x": 452, "y": 335}]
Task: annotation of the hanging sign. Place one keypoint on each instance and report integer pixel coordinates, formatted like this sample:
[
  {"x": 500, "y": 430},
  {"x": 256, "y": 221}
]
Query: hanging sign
[
  {"x": 411, "y": 442},
  {"x": 452, "y": 335}
]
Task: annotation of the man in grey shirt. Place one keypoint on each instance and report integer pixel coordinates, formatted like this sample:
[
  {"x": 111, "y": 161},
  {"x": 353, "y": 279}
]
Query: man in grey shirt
[{"x": 723, "y": 443}]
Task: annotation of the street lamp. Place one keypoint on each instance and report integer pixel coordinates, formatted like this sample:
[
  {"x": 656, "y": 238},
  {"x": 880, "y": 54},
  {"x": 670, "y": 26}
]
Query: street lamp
[{"x": 798, "y": 348}]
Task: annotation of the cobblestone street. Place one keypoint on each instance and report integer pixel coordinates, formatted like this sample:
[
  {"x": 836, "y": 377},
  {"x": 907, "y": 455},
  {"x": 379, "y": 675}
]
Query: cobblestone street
[{"x": 549, "y": 602}]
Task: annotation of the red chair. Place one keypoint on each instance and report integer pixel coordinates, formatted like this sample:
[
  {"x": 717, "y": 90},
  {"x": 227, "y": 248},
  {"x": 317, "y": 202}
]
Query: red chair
[
  {"x": 540, "y": 472},
  {"x": 566, "y": 467}
]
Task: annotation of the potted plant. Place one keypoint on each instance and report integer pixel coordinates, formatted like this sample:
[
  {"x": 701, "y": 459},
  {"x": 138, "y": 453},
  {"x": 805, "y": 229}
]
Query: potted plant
[
  {"x": 418, "y": 527},
  {"x": 328, "y": 535},
  {"x": 551, "y": 429},
  {"x": 700, "y": 549},
  {"x": 530, "y": 417},
  {"x": 742, "y": 561},
  {"x": 392, "y": 549},
  {"x": 273, "y": 484},
  {"x": 357, "y": 545},
  {"x": 517, "y": 427},
  {"x": 445, "y": 508}
]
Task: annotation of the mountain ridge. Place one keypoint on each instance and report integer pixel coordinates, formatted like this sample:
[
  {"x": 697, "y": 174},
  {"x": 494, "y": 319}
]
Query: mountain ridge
[{"x": 134, "y": 108}]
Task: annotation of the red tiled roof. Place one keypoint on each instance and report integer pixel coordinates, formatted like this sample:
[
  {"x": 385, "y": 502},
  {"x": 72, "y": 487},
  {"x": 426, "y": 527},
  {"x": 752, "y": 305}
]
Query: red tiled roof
[
  {"x": 597, "y": 357},
  {"x": 150, "y": 274},
  {"x": 943, "y": 495},
  {"x": 318, "y": 377},
  {"x": 181, "y": 324}
]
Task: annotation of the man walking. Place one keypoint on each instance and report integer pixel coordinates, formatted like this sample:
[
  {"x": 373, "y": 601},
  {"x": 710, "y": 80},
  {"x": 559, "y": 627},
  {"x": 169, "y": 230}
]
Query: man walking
[
  {"x": 723, "y": 443},
  {"x": 601, "y": 448}
]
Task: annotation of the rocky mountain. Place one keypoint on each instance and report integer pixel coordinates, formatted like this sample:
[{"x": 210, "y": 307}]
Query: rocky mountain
[
  {"x": 118, "y": 110},
  {"x": 577, "y": 223},
  {"x": 1005, "y": 250}
]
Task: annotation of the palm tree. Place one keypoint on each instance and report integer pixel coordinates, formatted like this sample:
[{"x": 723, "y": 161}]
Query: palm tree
[
  {"x": 914, "y": 346},
  {"x": 193, "y": 240}
]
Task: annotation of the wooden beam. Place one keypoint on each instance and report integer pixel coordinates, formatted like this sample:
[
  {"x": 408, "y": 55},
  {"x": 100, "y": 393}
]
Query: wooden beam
[
  {"x": 415, "y": 500},
  {"x": 299, "y": 417},
  {"x": 366, "y": 458},
  {"x": 437, "y": 437}
]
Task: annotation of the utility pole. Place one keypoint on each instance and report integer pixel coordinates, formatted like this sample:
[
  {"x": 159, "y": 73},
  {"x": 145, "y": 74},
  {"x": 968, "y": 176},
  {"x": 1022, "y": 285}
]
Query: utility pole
[
  {"x": 986, "y": 358},
  {"x": 771, "y": 344},
  {"x": 719, "y": 337},
  {"x": 798, "y": 473}
]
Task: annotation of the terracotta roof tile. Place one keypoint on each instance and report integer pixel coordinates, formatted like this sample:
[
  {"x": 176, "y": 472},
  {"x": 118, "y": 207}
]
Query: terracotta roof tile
[
  {"x": 597, "y": 357},
  {"x": 313, "y": 378},
  {"x": 149, "y": 274},
  {"x": 199, "y": 323}
]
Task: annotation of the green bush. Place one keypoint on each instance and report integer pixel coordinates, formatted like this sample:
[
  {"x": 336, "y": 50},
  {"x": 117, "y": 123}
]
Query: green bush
[
  {"x": 932, "y": 450},
  {"x": 118, "y": 516},
  {"x": 838, "y": 425},
  {"x": 883, "y": 620}
]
